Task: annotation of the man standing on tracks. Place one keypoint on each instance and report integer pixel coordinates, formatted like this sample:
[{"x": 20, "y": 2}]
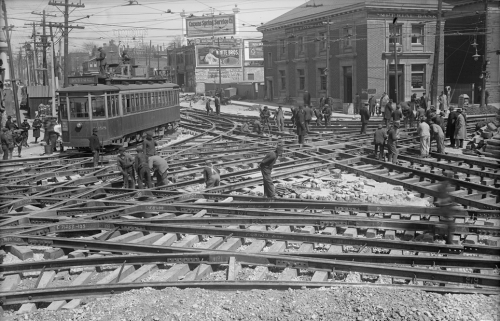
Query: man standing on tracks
[
  {"x": 95, "y": 146},
  {"x": 207, "y": 107},
  {"x": 149, "y": 145},
  {"x": 423, "y": 101},
  {"x": 217, "y": 104},
  {"x": 372, "y": 103},
  {"x": 300, "y": 121},
  {"x": 437, "y": 135},
  {"x": 365, "y": 117},
  {"x": 142, "y": 169},
  {"x": 309, "y": 115},
  {"x": 357, "y": 104},
  {"x": 327, "y": 114},
  {"x": 424, "y": 133},
  {"x": 379, "y": 139},
  {"x": 126, "y": 165},
  {"x": 102, "y": 61},
  {"x": 460, "y": 129},
  {"x": 279, "y": 116},
  {"x": 25, "y": 127},
  {"x": 450, "y": 126},
  {"x": 392, "y": 142},
  {"x": 266, "y": 168},
  {"x": 265, "y": 115},
  {"x": 397, "y": 114},
  {"x": 388, "y": 113},
  {"x": 37, "y": 124},
  {"x": 319, "y": 116},
  {"x": 307, "y": 98},
  {"x": 160, "y": 166},
  {"x": 7, "y": 143},
  {"x": 407, "y": 114},
  {"x": 211, "y": 175}
]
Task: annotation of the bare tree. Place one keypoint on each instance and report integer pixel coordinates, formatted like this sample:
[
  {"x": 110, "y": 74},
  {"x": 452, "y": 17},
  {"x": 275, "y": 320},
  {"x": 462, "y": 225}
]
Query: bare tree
[
  {"x": 88, "y": 46},
  {"x": 175, "y": 42}
]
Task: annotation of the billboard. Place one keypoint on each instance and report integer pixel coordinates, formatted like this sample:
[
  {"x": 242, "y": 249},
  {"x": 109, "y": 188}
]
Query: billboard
[
  {"x": 211, "y": 26},
  {"x": 228, "y": 75},
  {"x": 209, "y": 57},
  {"x": 253, "y": 50}
]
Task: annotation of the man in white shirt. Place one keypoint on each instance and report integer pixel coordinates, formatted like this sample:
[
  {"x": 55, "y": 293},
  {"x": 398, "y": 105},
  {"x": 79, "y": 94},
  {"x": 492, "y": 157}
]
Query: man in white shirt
[{"x": 424, "y": 132}]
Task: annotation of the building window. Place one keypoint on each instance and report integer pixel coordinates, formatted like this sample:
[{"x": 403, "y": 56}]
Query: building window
[
  {"x": 302, "y": 79},
  {"x": 282, "y": 79},
  {"x": 418, "y": 76},
  {"x": 323, "y": 41},
  {"x": 269, "y": 60},
  {"x": 417, "y": 34},
  {"x": 300, "y": 45},
  {"x": 396, "y": 33},
  {"x": 282, "y": 46},
  {"x": 348, "y": 33},
  {"x": 251, "y": 77},
  {"x": 322, "y": 78}
]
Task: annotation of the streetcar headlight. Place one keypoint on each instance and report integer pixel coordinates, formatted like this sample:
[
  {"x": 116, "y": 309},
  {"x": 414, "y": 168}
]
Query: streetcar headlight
[{"x": 79, "y": 125}]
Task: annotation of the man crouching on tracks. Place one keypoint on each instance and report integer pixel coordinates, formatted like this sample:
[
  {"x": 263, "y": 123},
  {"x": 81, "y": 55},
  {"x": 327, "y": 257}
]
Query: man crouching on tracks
[
  {"x": 142, "y": 168},
  {"x": 211, "y": 175},
  {"x": 160, "y": 167},
  {"x": 126, "y": 165},
  {"x": 266, "y": 167}
]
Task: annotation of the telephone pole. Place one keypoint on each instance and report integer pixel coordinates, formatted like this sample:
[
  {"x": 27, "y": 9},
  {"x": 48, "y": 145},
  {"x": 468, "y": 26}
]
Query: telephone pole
[
  {"x": 44, "y": 45},
  {"x": 66, "y": 28},
  {"x": 485, "y": 56},
  {"x": 437, "y": 50}
]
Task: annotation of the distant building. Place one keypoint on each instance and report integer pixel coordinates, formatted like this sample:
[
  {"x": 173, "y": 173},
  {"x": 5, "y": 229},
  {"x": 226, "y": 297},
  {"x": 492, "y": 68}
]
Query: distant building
[{"x": 361, "y": 57}]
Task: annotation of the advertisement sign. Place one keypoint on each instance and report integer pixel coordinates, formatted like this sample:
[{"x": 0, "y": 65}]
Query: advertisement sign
[
  {"x": 222, "y": 41},
  {"x": 210, "y": 56},
  {"x": 253, "y": 50},
  {"x": 211, "y": 75},
  {"x": 211, "y": 26}
]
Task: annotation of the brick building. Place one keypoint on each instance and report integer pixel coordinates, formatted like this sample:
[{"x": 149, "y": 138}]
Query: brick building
[{"x": 361, "y": 58}]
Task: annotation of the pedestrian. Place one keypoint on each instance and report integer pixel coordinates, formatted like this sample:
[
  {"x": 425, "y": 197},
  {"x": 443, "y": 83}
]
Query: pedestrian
[
  {"x": 424, "y": 133},
  {"x": 257, "y": 127},
  {"x": 460, "y": 129},
  {"x": 319, "y": 116},
  {"x": 266, "y": 168},
  {"x": 160, "y": 167},
  {"x": 102, "y": 61},
  {"x": 372, "y": 103},
  {"x": 309, "y": 114},
  {"x": 300, "y": 121},
  {"x": 208, "y": 107},
  {"x": 211, "y": 175},
  {"x": 307, "y": 98},
  {"x": 25, "y": 127},
  {"x": 149, "y": 145},
  {"x": 443, "y": 102},
  {"x": 7, "y": 143},
  {"x": 438, "y": 136},
  {"x": 142, "y": 168},
  {"x": 294, "y": 111},
  {"x": 413, "y": 98},
  {"x": 217, "y": 104},
  {"x": 423, "y": 101},
  {"x": 327, "y": 114},
  {"x": 279, "y": 116},
  {"x": 126, "y": 166},
  {"x": 9, "y": 124},
  {"x": 379, "y": 139},
  {"x": 420, "y": 112},
  {"x": 388, "y": 113},
  {"x": 322, "y": 102},
  {"x": 265, "y": 115},
  {"x": 365, "y": 117},
  {"x": 392, "y": 142},
  {"x": 384, "y": 100},
  {"x": 439, "y": 120},
  {"x": 450, "y": 126},
  {"x": 357, "y": 104},
  {"x": 37, "y": 124},
  {"x": 430, "y": 113},
  {"x": 18, "y": 138},
  {"x": 397, "y": 114},
  {"x": 407, "y": 115},
  {"x": 95, "y": 146}
]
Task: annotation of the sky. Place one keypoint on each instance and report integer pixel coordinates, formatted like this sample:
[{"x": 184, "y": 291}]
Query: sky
[{"x": 107, "y": 16}]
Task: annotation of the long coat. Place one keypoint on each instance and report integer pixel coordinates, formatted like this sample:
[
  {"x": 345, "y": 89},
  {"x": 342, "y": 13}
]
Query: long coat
[
  {"x": 309, "y": 113},
  {"x": 450, "y": 125},
  {"x": 387, "y": 111},
  {"x": 365, "y": 115},
  {"x": 460, "y": 130},
  {"x": 307, "y": 98},
  {"x": 300, "y": 121},
  {"x": 37, "y": 124}
]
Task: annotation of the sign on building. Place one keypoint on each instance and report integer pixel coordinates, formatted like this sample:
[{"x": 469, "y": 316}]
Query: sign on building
[
  {"x": 211, "y": 75},
  {"x": 253, "y": 50},
  {"x": 222, "y": 41},
  {"x": 210, "y": 56},
  {"x": 211, "y": 26}
]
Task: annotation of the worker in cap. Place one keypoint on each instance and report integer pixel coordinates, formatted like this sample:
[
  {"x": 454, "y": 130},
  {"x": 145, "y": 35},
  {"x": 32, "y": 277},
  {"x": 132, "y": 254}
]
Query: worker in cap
[
  {"x": 142, "y": 169},
  {"x": 266, "y": 168},
  {"x": 211, "y": 175},
  {"x": 392, "y": 143},
  {"x": 160, "y": 167},
  {"x": 126, "y": 166},
  {"x": 102, "y": 61},
  {"x": 95, "y": 146},
  {"x": 265, "y": 115},
  {"x": 379, "y": 138},
  {"x": 149, "y": 145},
  {"x": 9, "y": 124},
  {"x": 424, "y": 132},
  {"x": 7, "y": 142},
  {"x": 327, "y": 114}
]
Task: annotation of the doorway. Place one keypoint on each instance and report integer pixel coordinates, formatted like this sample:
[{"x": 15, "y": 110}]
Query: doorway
[
  {"x": 180, "y": 79},
  {"x": 347, "y": 84},
  {"x": 392, "y": 83},
  {"x": 269, "y": 89}
]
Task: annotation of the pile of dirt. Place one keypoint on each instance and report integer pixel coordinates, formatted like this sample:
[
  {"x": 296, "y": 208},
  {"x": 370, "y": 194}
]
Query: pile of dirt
[{"x": 477, "y": 110}]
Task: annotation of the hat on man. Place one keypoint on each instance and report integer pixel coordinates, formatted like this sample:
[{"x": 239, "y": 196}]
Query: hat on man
[
  {"x": 9, "y": 117},
  {"x": 326, "y": 105},
  {"x": 5, "y": 129},
  {"x": 380, "y": 126},
  {"x": 94, "y": 130},
  {"x": 433, "y": 107},
  {"x": 139, "y": 149}
]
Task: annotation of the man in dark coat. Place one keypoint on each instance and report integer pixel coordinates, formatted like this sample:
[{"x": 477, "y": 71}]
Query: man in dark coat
[
  {"x": 407, "y": 114},
  {"x": 25, "y": 127},
  {"x": 439, "y": 120},
  {"x": 322, "y": 101},
  {"x": 397, "y": 114},
  {"x": 266, "y": 168},
  {"x": 102, "y": 61},
  {"x": 7, "y": 142},
  {"x": 37, "y": 124},
  {"x": 95, "y": 145},
  {"x": 319, "y": 116},
  {"x": 357, "y": 104},
  {"x": 265, "y": 116},
  {"x": 327, "y": 114},
  {"x": 142, "y": 169},
  {"x": 211, "y": 175},
  {"x": 392, "y": 140},
  {"x": 294, "y": 111},
  {"x": 300, "y": 122},
  {"x": 309, "y": 115},
  {"x": 217, "y": 105},
  {"x": 387, "y": 113},
  {"x": 379, "y": 139},
  {"x": 9, "y": 124},
  {"x": 126, "y": 166},
  {"x": 420, "y": 113},
  {"x": 372, "y": 103},
  {"x": 450, "y": 126},
  {"x": 423, "y": 101},
  {"x": 307, "y": 98},
  {"x": 149, "y": 145},
  {"x": 207, "y": 107},
  {"x": 365, "y": 117}
]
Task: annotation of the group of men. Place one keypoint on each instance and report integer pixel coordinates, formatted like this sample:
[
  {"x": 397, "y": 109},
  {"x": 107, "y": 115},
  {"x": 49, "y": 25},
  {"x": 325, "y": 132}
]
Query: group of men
[
  {"x": 14, "y": 136},
  {"x": 209, "y": 109}
]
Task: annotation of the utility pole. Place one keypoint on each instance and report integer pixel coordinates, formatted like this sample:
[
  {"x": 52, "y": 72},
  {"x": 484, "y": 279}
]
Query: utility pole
[
  {"x": 66, "y": 28},
  {"x": 220, "y": 56},
  {"x": 327, "y": 59},
  {"x": 396, "y": 78},
  {"x": 44, "y": 44},
  {"x": 437, "y": 50},
  {"x": 485, "y": 58},
  {"x": 35, "y": 56},
  {"x": 11, "y": 65}
]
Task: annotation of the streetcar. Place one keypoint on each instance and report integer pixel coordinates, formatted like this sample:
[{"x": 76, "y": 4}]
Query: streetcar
[{"x": 121, "y": 110}]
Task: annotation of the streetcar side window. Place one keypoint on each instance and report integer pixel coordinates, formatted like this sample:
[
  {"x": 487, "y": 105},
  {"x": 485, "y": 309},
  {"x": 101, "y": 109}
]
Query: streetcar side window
[
  {"x": 63, "y": 111},
  {"x": 98, "y": 109},
  {"x": 137, "y": 103},
  {"x": 79, "y": 107},
  {"x": 159, "y": 98},
  {"x": 168, "y": 98}
]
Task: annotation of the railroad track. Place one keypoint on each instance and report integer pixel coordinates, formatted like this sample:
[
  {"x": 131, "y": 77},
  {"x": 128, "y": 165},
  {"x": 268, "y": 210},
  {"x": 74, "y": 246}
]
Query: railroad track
[{"x": 344, "y": 218}]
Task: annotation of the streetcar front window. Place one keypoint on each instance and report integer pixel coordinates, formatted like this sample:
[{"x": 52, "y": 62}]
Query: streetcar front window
[
  {"x": 98, "y": 108},
  {"x": 79, "y": 107}
]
